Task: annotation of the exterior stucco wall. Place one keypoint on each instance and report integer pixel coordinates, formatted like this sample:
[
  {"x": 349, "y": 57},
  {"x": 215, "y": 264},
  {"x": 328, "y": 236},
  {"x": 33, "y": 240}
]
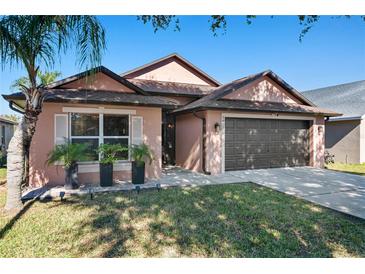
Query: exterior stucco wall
[
  {"x": 170, "y": 71},
  {"x": 362, "y": 140},
  {"x": 263, "y": 90},
  {"x": 43, "y": 142},
  {"x": 190, "y": 131},
  {"x": 343, "y": 140},
  {"x": 189, "y": 141},
  {"x": 99, "y": 81},
  {"x": 317, "y": 142},
  {"x": 214, "y": 142}
]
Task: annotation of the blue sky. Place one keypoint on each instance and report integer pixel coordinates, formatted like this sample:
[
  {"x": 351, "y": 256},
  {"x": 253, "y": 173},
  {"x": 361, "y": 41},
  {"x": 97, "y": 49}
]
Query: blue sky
[{"x": 333, "y": 52}]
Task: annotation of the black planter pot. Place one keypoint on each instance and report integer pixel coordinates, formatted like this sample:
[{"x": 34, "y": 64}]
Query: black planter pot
[
  {"x": 71, "y": 180},
  {"x": 137, "y": 173},
  {"x": 106, "y": 174}
]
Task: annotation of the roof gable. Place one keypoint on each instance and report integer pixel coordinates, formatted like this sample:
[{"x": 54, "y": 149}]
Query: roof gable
[
  {"x": 172, "y": 68},
  {"x": 99, "y": 78},
  {"x": 99, "y": 81},
  {"x": 263, "y": 89},
  {"x": 224, "y": 90}
]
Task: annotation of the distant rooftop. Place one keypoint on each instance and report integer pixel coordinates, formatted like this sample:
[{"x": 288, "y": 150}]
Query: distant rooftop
[
  {"x": 348, "y": 99},
  {"x": 8, "y": 121}
]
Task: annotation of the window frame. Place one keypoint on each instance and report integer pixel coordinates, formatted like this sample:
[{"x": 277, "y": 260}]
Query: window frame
[{"x": 101, "y": 134}]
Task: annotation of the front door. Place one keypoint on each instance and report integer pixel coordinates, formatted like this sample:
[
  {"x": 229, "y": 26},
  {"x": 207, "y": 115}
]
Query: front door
[{"x": 168, "y": 139}]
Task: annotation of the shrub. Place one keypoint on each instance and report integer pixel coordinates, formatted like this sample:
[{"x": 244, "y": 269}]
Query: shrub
[
  {"x": 109, "y": 152},
  {"x": 141, "y": 153},
  {"x": 2, "y": 158},
  {"x": 328, "y": 158}
]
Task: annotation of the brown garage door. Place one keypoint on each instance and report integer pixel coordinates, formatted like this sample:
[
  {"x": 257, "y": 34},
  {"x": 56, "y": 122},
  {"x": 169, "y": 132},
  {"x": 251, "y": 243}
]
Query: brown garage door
[{"x": 265, "y": 143}]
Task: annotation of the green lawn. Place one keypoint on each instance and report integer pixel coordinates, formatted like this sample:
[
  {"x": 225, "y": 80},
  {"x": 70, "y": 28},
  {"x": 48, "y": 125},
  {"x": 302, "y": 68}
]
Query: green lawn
[
  {"x": 2, "y": 173},
  {"x": 241, "y": 220},
  {"x": 358, "y": 169}
]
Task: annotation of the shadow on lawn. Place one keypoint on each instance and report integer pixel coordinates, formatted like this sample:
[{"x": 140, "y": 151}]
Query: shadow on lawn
[
  {"x": 231, "y": 221},
  {"x": 15, "y": 218}
]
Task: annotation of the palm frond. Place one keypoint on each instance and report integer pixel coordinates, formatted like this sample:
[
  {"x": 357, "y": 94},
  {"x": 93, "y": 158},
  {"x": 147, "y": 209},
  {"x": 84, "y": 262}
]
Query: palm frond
[
  {"x": 33, "y": 41},
  {"x": 141, "y": 153},
  {"x": 109, "y": 152},
  {"x": 68, "y": 153},
  {"x": 20, "y": 84},
  {"x": 48, "y": 77}
]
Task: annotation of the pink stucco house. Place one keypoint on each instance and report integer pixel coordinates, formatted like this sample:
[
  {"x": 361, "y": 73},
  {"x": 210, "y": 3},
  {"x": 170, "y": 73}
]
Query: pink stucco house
[{"x": 184, "y": 115}]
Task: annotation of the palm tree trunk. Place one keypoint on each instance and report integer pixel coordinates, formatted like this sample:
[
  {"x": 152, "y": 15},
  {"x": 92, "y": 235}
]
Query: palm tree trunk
[
  {"x": 18, "y": 160},
  {"x": 15, "y": 168}
]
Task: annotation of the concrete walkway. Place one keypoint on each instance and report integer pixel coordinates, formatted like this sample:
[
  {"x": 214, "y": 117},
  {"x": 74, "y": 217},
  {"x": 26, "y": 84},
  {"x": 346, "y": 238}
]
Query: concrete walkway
[
  {"x": 336, "y": 190},
  {"x": 171, "y": 177}
]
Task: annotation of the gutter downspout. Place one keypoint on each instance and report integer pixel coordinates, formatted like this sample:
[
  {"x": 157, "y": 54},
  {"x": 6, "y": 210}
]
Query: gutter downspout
[
  {"x": 11, "y": 103},
  {"x": 204, "y": 147}
]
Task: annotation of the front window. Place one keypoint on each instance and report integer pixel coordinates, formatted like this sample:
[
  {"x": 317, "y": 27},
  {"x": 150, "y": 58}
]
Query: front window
[
  {"x": 96, "y": 129},
  {"x": 84, "y": 124},
  {"x": 116, "y": 131}
]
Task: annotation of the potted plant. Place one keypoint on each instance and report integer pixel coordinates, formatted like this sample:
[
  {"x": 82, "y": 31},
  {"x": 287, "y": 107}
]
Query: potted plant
[
  {"x": 139, "y": 154},
  {"x": 69, "y": 154},
  {"x": 108, "y": 153}
]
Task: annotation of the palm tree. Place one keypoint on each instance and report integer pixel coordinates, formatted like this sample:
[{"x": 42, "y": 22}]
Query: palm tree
[
  {"x": 32, "y": 41},
  {"x": 43, "y": 79},
  {"x": 23, "y": 84}
]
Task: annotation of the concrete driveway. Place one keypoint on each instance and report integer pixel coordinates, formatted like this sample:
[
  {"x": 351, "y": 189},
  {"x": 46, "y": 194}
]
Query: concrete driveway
[{"x": 336, "y": 190}]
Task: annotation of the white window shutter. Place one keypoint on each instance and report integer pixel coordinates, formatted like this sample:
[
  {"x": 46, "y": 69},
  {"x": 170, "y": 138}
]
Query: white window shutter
[
  {"x": 137, "y": 130},
  {"x": 61, "y": 128}
]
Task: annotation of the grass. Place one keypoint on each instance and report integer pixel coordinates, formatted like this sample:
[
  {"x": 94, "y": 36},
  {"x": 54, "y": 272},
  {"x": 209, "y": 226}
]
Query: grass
[
  {"x": 2, "y": 174},
  {"x": 241, "y": 220},
  {"x": 358, "y": 169}
]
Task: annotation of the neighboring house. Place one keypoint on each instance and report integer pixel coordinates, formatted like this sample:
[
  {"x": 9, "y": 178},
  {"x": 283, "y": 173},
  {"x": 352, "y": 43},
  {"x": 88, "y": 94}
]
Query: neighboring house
[
  {"x": 345, "y": 135},
  {"x": 184, "y": 115},
  {"x": 6, "y": 132}
]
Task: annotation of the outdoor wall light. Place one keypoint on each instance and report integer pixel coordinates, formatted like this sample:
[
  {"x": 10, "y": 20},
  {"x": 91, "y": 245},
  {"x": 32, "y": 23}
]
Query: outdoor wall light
[
  {"x": 62, "y": 195},
  {"x": 217, "y": 127}
]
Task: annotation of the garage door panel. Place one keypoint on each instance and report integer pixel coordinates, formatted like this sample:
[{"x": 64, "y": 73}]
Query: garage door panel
[
  {"x": 229, "y": 123},
  {"x": 265, "y": 143},
  {"x": 229, "y": 138},
  {"x": 240, "y": 137},
  {"x": 255, "y": 161},
  {"x": 233, "y": 152}
]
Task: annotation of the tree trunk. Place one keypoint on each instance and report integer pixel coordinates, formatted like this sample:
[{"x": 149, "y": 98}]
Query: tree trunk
[
  {"x": 18, "y": 160},
  {"x": 19, "y": 147},
  {"x": 15, "y": 168}
]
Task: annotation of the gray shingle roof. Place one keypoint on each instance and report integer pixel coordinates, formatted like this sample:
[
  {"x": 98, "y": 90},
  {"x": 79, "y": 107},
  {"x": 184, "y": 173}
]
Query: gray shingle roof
[
  {"x": 172, "y": 88},
  {"x": 348, "y": 99},
  {"x": 97, "y": 97},
  {"x": 260, "y": 106}
]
